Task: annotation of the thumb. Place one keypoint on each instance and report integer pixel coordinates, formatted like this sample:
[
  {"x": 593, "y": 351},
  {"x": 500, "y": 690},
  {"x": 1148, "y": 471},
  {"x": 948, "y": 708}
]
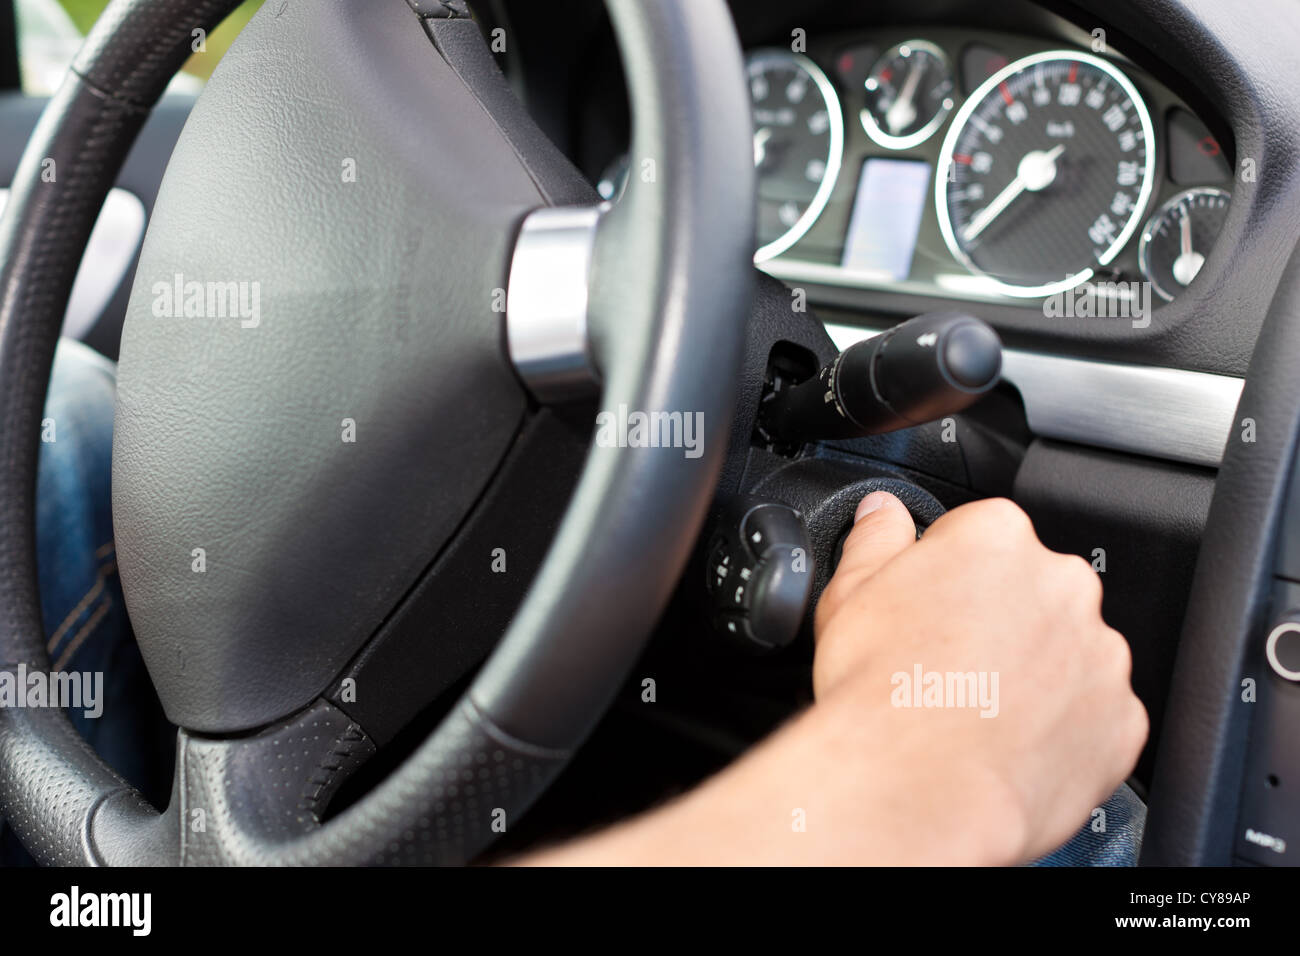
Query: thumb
[{"x": 882, "y": 529}]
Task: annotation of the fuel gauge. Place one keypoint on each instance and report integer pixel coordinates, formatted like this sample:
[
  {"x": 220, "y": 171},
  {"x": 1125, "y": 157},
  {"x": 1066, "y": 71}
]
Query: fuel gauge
[
  {"x": 908, "y": 95},
  {"x": 1178, "y": 237}
]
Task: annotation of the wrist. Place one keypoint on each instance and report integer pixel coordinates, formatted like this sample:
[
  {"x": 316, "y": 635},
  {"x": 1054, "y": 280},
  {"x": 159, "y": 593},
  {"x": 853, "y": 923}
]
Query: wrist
[
  {"x": 840, "y": 785},
  {"x": 923, "y": 797}
]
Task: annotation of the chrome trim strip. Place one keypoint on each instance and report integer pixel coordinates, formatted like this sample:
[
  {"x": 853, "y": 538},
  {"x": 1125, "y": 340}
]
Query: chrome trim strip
[
  {"x": 952, "y": 285},
  {"x": 1166, "y": 413},
  {"x": 546, "y": 301}
]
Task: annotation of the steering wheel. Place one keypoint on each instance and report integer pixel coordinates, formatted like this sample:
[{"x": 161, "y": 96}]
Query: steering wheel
[{"x": 356, "y": 197}]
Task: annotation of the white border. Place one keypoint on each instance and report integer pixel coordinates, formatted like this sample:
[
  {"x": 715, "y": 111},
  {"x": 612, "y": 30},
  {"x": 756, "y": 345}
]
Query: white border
[
  {"x": 1270, "y": 650},
  {"x": 982, "y": 92},
  {"x": 872, "y": 128},
  {"x": 1149, "y": 229},
  {"x": 835, "y": 111}
]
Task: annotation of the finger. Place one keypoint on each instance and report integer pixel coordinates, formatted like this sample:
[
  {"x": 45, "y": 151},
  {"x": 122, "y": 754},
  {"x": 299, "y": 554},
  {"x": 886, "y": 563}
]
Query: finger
[{"x": 882, "y": 529}]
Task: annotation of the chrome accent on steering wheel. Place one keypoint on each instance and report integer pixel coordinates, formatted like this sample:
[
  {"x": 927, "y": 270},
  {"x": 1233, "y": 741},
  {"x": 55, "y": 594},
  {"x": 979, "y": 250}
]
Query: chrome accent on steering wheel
[{"x": 546, "y": 302}]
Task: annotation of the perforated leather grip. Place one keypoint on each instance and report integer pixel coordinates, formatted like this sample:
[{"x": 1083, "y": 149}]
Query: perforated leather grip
[{"x": 50, "y": 780}]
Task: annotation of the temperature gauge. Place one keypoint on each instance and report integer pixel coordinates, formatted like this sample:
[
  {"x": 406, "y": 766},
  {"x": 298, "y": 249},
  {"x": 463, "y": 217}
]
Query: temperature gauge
[
  {"x": 1178, "y": 236},
  {"x": 908, "y": 95}
]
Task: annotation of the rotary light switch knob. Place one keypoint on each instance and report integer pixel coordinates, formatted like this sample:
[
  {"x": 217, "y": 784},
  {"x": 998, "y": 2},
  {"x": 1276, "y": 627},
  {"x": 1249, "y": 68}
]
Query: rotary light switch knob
[{"x": 760, "y": 574}]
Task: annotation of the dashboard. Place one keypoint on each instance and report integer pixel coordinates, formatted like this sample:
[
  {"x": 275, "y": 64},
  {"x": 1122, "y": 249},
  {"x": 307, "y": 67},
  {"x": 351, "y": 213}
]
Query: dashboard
[
  {"x": 1211, "y": 167},
  {"x": 982, "y": 165},
  {"x": 1128, "y": 285}
]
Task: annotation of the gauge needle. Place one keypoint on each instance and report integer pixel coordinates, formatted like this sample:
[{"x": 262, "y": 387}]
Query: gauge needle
[
  {"x": 1188, "y": 262},
  {"x": 901, "y": 112},
  {"x": 1037, "y": 171},
  {"x": 761, "y": 137}
]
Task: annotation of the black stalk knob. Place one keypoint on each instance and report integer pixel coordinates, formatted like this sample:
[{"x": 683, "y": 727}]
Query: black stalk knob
[{"x": 919, "y": 371}]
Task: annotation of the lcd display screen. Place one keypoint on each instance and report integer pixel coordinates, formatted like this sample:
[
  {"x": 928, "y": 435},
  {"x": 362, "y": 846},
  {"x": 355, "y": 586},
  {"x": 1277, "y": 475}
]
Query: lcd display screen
[{"x": 886, "y": 217}]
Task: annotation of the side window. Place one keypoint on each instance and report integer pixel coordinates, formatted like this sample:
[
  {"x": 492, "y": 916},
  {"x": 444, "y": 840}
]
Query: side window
[{"x": 50, "y": 31}]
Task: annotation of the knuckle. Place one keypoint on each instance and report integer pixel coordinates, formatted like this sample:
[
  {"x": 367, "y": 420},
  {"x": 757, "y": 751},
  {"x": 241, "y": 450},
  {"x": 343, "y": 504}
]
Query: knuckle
[
  {"x": 1005, "y": 515},
  {"x": 995, "y": 522},
  {"x": 1079, "y": 578},
  {"x": 1135, "y": 727},
  {"x": 1123, "y": 658},
  {"x": 1118, "y": 657},
  {"x": 1141, "y": 723}
]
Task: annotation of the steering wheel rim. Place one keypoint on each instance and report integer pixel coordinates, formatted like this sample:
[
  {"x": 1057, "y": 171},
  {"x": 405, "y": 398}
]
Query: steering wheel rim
[
  {"x": 1197, "y": 788},
  {"x": 670, "y": 284}
]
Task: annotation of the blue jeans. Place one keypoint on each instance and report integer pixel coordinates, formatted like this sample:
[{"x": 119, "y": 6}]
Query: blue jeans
[
  {"x": 1111, "y": 838},
  {"x": 87, "y": 628}
]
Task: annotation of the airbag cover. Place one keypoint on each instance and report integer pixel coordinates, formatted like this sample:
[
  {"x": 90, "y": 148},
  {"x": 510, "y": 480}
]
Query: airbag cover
[{"x": 285, "y": 470}]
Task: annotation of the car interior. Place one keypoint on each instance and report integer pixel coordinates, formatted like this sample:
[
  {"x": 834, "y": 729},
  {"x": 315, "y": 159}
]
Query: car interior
[{"x": 1040, "y": 250}]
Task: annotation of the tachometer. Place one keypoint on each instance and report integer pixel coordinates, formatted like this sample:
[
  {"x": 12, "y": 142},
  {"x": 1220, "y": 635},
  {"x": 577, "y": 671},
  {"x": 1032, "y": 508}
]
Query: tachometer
[
  {"x": 1046, "y": 172},
  {"x": 908, "y": 95},
  {"x": 798, "y": 145}
]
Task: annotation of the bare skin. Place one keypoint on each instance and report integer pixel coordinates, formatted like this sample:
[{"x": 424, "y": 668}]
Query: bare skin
[{"x": 859, "y": 780}]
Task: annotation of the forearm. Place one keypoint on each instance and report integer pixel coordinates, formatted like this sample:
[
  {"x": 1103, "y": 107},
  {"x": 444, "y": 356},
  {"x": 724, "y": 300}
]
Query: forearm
[{"x": 792, "y": 800}]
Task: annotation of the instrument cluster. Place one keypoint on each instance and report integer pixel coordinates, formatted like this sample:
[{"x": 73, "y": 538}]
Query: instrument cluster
[{"x": 979, "y": 165}]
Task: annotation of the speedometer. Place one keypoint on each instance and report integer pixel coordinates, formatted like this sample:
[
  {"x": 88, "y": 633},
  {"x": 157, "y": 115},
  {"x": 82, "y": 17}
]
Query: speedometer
[
  {"x": 1046, "y": 172},
  {"x": 798, "y": 145}
]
